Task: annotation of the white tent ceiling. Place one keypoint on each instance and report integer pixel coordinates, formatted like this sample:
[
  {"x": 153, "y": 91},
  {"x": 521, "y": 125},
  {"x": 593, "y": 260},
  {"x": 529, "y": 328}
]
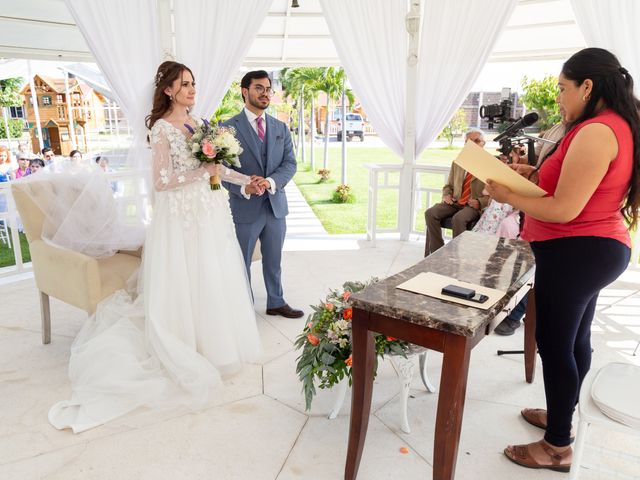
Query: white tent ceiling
[{"x": 539, "y": 30}]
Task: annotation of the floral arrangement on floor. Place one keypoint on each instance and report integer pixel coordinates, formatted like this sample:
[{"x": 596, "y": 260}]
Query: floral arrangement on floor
[
  {"x": 326, "y": 342},
  {"x": 214, "y": 144},
  {"x": 343, "y": 194},
  {"x": 325, "y": 175}
]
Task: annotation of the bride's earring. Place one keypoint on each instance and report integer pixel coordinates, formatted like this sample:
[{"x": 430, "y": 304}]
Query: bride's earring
[{"x": 170, "y": 98}]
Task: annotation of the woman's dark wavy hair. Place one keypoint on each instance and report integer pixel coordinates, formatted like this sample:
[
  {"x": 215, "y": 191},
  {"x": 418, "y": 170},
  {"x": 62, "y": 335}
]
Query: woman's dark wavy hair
[
  {"x": 614, "y": 86},
  {"x": 168, "y": 72}
]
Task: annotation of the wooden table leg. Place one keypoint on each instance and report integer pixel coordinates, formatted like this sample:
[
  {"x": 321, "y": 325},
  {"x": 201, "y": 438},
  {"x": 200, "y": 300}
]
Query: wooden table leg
[
  {"x": 453, "y": 387},
  {"x": 362, "y": 388},
  {"x": 530, "y": 346}
]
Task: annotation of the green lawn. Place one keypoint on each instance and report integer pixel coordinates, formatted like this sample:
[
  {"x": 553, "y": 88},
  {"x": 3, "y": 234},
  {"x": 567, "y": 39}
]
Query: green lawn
[
  {"x": 352, "y": 217},
  {"x": 6, "y": 253}
]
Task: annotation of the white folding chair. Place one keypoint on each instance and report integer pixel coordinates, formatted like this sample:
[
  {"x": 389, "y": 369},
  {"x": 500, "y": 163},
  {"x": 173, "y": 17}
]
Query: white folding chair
[{"x": 617, "y": 391}]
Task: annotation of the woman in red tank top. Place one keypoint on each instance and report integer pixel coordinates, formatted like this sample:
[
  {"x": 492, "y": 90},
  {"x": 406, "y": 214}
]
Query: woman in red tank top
[{"x": 579, "y": 235}]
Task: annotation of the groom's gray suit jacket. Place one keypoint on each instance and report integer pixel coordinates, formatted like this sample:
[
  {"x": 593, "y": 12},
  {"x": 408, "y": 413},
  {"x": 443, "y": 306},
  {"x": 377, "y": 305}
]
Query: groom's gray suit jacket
[{"x": 272, "y": 158}]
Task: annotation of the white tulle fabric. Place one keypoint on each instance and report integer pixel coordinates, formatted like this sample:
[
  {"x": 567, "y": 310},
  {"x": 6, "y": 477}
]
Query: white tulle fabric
[{"x": 194, "y": 322}]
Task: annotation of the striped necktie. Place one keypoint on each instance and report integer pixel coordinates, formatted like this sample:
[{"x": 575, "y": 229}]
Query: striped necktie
[
  {"x": 259, "y": 121},
  {"x": 466, "y": 190}
]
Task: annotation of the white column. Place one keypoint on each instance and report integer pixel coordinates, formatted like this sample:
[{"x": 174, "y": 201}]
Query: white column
[
  {"x": 6, "y": 126},
  {"x": 312, "y": 135},
  {"x": 166, "y": 32},
  {"x": 72, "y": 129},
  {"x": 480, "y": 102},
  {"x": 405, "y": 200},
  {"x": 117, "y": 126},
  {"x": 34, "y": 100},
  {"x": 301, "y": 139},
  {"x": 344, "y": 136}
]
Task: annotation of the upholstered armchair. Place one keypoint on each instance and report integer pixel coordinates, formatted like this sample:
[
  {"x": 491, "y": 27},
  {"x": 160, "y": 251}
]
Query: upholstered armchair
[{"x": 74, "y": 278}]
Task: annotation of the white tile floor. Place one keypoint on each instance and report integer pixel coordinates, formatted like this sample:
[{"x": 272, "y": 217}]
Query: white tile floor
[{"x": 258, "y": 429}]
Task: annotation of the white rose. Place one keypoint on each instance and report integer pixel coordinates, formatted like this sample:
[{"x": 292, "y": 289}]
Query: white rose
[{"x": 195, "y": 148}]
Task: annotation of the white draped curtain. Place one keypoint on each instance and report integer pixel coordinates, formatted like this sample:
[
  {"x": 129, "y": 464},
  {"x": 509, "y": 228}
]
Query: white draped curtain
[
  {"x": 212, "y": 38},
  {"x": 371, "y": 41},
  {"x": 123, "y": 38},
  {"x": 614, "y": 25},
  {"x": 457, "y": 38}
]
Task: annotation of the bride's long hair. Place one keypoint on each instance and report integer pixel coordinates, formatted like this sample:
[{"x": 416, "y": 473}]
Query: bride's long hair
[{"x": 167, "y": 73}]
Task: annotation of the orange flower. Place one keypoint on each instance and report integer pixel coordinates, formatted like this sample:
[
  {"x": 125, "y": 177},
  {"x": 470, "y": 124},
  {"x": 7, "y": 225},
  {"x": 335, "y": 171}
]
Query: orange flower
[
  {"x": 349, "y": 361},
  {"x": 328, "y": 306},
  {"x": 346, "y": 295},
  {"x": 347, "y": 313},
  {"x": 313, "y": 340},
  {"x": 391, "y": 339}
]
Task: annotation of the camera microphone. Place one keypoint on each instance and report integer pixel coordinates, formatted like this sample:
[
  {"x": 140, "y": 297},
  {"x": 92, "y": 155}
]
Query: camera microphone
[{"x": 526, "y": 121}]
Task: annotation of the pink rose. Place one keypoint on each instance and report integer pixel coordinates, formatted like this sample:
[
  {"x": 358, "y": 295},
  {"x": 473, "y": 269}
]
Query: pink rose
[{"x": 208, "y": 149}]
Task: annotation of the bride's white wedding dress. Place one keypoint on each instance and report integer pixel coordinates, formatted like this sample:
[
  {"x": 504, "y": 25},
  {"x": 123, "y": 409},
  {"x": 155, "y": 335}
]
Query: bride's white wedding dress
[{"x": 192, "y": 321}]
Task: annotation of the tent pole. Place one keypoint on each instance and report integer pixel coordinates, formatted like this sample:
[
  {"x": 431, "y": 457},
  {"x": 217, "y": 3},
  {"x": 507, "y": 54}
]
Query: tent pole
[{"x": 405, "y": 197}]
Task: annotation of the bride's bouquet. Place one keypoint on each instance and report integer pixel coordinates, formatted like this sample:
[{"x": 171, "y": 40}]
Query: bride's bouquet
[{"x": 214, "y": 144}]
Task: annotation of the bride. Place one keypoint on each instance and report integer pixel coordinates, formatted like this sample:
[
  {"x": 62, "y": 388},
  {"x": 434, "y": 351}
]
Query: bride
[{"x": 193, "y": 319}]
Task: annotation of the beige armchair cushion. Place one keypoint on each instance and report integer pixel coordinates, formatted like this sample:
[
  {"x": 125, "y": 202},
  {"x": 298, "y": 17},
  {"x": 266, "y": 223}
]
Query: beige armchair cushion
[{"x": 74, "y": 278}]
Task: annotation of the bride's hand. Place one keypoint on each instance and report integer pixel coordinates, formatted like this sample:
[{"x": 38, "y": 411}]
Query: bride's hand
[{"x": 213, "y": 168}]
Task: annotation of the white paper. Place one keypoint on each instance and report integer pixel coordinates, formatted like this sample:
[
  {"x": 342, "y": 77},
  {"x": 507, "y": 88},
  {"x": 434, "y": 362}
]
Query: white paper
[
  {"x": 484, "y": 166},
  {"x": 431, "y": 284}
]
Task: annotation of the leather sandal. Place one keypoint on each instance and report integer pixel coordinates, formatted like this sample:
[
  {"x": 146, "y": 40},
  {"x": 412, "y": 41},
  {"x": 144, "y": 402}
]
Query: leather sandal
[
  {"x": 557, "y": 461},
  {"x": 535, "y": 416},
  {"x": 538, "y": 418}
]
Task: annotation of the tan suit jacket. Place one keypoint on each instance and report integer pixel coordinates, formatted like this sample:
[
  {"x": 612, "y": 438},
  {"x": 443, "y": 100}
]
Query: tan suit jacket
[{"x": 454, "y": 186}]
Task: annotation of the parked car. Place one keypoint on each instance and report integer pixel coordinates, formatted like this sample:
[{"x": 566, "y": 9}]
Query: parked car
[{"x": 354, "y": 127}]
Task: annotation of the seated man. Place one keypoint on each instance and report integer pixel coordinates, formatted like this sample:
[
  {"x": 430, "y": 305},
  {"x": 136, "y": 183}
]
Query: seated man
[{"x": 462, "y": 200}]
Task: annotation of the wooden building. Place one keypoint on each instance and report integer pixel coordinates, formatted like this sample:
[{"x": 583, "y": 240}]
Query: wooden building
[{"x": 87, "y": 107}]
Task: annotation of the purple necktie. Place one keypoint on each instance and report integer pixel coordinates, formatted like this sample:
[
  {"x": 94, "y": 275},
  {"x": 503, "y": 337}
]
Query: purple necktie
[{"x": 259, "y": 121}]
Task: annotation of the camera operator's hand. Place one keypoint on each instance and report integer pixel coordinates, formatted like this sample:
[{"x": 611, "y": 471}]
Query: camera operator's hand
[
  {"x": 473, "y": 203},
  {"x": 448, "y": 199},
  {"x": 518, "y": 154},
  {"x": 527, "y": 171}
]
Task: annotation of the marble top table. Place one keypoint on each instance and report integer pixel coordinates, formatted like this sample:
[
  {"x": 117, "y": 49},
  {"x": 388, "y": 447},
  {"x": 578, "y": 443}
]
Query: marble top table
[{"x": 447, "y": 327}]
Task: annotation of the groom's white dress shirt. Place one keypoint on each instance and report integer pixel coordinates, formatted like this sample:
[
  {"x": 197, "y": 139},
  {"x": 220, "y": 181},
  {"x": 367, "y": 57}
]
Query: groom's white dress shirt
[{"x": 252, "y": 117}]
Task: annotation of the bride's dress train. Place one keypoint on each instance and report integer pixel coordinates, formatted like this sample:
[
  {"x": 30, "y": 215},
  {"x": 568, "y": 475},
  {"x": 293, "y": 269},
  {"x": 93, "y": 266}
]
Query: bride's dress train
[{"x": 193, "y": 319}]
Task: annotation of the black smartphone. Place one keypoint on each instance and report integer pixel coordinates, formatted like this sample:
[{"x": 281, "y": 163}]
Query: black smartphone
[
  {"x": 460, "y": 292},
  {"x": 465, "y": 293}
]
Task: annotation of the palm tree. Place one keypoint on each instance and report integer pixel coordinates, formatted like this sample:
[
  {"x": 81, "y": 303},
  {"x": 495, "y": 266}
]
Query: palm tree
[
  {"x": 303, "y": 82},
  {"x": 332, "y": 84},
  {"x": 230, "y": 105}
]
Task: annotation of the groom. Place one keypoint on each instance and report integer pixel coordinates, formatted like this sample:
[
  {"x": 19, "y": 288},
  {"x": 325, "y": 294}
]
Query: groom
[{"x": 259, "y": 209}]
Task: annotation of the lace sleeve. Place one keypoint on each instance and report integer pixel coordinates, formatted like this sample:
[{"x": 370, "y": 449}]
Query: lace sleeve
[
  {"x": 234, "y": 177},
  {"x": 164, "y": 176}
]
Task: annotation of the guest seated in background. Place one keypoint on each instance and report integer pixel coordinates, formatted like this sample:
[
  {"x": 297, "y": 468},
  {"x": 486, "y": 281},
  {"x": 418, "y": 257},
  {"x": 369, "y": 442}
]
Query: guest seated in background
[
  {"x": 5, "y": 161},
  {"x": 75, "y": 156},
  {"x": 23, "y": 147},
  {"x": 36, "y": 164},
  {"x": 462, "y": 201},
  {"x": 103, "y": 163},
  {"x": 23, "y": 167},
  {"x": 47, "y": 155}
]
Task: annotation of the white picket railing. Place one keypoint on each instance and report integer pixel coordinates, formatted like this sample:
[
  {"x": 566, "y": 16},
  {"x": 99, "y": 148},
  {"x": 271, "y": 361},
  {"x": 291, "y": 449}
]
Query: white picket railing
[{"x": 387, "y": 177}]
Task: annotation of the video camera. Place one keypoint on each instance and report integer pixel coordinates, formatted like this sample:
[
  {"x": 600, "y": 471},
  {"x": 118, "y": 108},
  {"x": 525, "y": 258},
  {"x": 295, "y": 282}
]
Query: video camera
[{"x": 498, "y": 112}]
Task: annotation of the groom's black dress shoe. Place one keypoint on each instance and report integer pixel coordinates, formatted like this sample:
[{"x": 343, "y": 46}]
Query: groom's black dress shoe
[{"x": 285, "y": 311}]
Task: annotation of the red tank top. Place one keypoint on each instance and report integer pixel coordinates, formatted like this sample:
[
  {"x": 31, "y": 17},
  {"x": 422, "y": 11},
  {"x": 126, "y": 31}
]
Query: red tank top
[{"x": 601, "y": 215}]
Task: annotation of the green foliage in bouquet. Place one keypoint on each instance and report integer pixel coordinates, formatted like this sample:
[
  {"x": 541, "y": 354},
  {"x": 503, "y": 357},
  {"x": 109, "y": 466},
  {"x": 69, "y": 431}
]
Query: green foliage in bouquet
[{"x": 326, "y": 342}]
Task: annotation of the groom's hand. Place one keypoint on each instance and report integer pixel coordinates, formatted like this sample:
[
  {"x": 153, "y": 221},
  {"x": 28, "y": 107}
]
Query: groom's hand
[{"x": 255, "y": 187}]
